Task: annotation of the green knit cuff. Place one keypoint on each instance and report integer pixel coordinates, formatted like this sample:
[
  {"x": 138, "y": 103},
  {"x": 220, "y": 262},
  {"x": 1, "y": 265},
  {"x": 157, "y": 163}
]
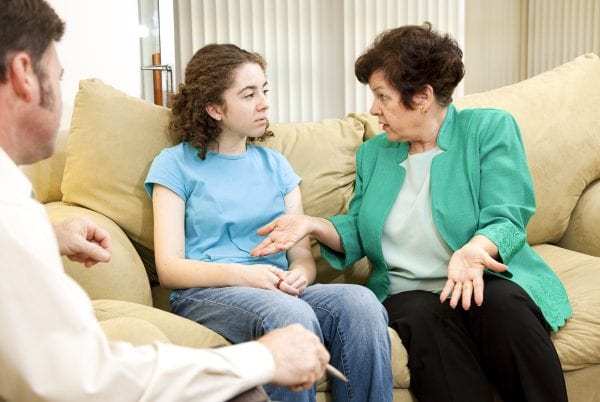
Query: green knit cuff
[{"x": 507, "y": 237}]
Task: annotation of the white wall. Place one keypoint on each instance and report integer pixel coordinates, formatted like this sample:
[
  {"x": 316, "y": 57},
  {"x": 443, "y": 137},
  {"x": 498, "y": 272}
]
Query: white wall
[{"x": 101, "y": 41}]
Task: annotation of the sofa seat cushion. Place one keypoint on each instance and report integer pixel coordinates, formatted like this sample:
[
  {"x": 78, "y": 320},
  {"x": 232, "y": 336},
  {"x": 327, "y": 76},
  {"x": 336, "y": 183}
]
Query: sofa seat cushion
[
  {"x": 578, "y": 342},
  {"x": 401, "y": 375},
  {"x": 133, "y": 330},
  {"x": 176, "y": 329}
]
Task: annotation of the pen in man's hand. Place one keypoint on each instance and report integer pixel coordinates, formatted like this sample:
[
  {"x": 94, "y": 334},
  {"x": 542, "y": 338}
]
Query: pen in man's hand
[{"x": 335, "y": 372}]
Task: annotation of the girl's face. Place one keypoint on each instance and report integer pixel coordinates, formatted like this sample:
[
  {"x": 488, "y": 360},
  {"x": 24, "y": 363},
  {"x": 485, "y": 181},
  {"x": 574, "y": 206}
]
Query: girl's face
[{"x": 244, "y": 113}]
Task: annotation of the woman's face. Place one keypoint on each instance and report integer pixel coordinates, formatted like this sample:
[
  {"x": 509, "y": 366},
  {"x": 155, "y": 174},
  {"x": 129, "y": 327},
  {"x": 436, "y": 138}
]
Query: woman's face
[
  {"x": 246, "y": 104},
  {"x": 400, "y": 123}
]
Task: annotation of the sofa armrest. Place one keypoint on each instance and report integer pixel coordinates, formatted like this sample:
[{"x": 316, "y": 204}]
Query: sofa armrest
[
  {"x": 583, "y": 231},
  {"x": 123, "y": 277}
]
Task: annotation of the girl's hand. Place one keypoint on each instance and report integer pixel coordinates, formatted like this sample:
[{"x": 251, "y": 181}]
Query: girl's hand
[
  {"x": 264, "y": 276},
  {"x": 296, "y": 278},
  {"x": 465, "y": 275}
]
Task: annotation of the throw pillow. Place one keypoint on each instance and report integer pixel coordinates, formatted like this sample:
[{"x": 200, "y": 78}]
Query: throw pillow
[{"x": 112, "y": 141}]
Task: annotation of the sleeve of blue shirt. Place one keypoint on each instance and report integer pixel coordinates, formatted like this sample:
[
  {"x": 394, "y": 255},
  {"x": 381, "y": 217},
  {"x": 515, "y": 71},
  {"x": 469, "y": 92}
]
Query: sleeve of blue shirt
[
  {"x": 165, "y": 170},
  {"x": 288, "y": 178}
]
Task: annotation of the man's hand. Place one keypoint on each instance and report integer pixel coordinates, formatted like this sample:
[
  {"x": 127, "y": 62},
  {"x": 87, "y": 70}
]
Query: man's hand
[
  {"x": 299, "y": 356},
  {"x": 81, "y": 240}
]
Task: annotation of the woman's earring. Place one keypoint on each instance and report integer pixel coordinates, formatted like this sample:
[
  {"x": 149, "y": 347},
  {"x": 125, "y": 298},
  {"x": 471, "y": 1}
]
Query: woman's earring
[{"x": 423, "y": 110}]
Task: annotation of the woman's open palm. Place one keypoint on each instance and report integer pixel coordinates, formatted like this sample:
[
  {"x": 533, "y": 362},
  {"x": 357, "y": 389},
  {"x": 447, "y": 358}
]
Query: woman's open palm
[
  {"x": 465, "y": 275},
  {"x": 283, "y": 233}
]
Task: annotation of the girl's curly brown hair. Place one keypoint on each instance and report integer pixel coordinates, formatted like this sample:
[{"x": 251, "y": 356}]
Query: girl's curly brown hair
[{"x": 208, "y": 74}]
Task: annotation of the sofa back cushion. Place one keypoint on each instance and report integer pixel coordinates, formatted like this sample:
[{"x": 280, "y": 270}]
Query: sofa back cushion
[
  {"x": 323, "y": 154},
  {"x": 46, "y": 175},
  {"x": 558, "y": 112},
  {"x": 112, "y": 141}
]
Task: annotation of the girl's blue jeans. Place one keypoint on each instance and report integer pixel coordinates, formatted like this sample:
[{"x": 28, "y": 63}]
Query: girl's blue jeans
[{"x": 349, "y": 319}]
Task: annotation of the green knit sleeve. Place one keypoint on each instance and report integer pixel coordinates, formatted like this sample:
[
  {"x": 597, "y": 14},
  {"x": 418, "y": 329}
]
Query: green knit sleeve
[{"x": 507, "y": 200}]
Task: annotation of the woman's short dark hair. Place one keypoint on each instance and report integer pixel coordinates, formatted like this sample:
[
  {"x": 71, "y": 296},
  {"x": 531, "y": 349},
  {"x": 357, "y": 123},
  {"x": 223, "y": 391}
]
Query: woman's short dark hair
[
  {"x": 412, "y": 57},
  {"x": 27, "y": 26},
  {"x": 208, "y": 74}
]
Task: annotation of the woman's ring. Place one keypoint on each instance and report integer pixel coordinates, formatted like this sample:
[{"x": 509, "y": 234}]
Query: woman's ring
[{"x": 278, "y": 283}]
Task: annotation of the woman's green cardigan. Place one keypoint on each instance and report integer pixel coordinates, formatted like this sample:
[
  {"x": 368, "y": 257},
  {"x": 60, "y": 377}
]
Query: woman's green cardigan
[{"x": 480, "y": 184}]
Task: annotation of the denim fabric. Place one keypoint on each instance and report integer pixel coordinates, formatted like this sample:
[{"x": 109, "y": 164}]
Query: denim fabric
[{"x": 348, "y": 318}]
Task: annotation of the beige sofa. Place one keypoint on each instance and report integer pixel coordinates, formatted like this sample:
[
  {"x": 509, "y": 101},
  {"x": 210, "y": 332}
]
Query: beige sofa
[{"x": 100, "y": 166}]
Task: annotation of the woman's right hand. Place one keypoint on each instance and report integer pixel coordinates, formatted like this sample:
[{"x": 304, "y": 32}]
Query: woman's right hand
[
  {"x": 265, "y": 276},
  {"x": 465, "y": 272},
  {"x": 283, "y": 233}
]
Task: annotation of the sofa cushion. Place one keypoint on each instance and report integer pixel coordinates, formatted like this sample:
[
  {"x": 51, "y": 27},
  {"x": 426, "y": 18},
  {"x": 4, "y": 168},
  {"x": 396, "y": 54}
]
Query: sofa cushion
[
  {"x": 323, "y": 154},
  {"x": 577, "y": 343},
  {"x": 401, "y": 375},
  {"x": 133, "y": 330},
  {"x": 557, "y": 112},
  {"x": 176, "y": 329},
  {"x": 583, "y": 233},
  {"x": 123, "y": 278},
  {"x": 112, "y": 141},
  {"x": 46, "y": 175}
]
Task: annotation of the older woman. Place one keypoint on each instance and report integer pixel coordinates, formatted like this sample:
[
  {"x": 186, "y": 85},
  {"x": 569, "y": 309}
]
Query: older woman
[{"x": 442, "y": 199}]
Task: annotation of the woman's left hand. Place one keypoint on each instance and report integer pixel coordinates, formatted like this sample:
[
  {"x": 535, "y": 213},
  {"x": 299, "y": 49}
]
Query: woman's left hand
[{"x": 465, "y": 275}]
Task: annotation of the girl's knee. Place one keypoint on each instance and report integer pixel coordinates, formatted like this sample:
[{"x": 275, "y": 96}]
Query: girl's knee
[
  {"x": 358, "y": 304},
  {"x": 357, "y": 295},
  {"x": 294, "y": 311}
]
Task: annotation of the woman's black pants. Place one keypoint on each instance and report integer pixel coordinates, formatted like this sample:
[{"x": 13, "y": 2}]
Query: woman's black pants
[{"x": 454, "y": 355}]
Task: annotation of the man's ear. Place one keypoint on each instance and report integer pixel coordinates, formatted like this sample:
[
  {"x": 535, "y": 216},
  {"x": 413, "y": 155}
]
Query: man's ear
[
  {"x": 215, "y": 111},
  {"x": 22, "y": 77}
]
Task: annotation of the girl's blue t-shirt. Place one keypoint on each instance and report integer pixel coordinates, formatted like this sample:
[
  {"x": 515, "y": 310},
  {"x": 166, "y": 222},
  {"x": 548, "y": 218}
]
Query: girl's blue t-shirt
[{"x": 227, "y": 199}]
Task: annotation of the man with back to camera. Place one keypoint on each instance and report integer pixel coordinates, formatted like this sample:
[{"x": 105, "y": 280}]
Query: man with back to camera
[{"x": 51, "y": 346}]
